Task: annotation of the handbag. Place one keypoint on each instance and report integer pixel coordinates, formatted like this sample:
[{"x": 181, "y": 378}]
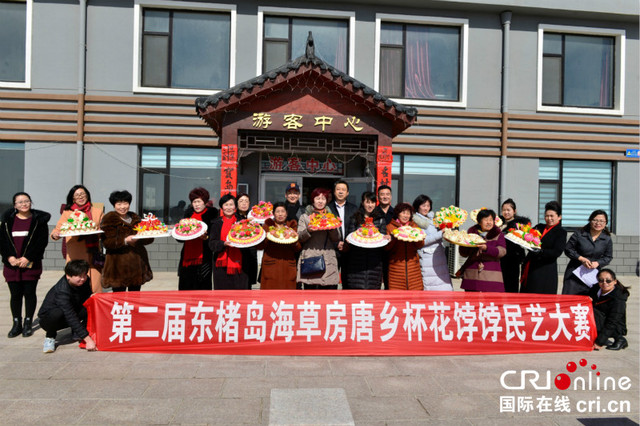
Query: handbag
[{"x": 312, "y": 266}]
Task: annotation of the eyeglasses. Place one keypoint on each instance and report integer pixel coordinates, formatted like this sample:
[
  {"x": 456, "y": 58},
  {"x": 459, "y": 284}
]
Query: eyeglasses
[
  {"x": 82, "y": 195},
  {"x": 606, "y": 280},
  {"x": 599, "y": 221},
  {"x": 21, "y": 203}
]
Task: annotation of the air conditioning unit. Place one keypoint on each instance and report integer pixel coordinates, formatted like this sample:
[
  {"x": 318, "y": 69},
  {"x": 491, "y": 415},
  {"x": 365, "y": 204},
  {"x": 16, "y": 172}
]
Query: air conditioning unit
[{"x": 454, "y": 259}]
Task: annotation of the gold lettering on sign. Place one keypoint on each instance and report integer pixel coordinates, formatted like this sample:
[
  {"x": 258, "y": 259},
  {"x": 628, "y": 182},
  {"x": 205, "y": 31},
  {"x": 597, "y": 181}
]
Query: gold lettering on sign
[
  {"x": 353, "y": 122},
  {"x": 323, "y": 121},
  {"x": 262, "y": 119},
  {"x": 292, "y": 121}
]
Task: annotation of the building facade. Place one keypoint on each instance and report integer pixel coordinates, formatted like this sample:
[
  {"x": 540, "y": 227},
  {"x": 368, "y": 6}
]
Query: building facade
[{"x": 531, "y": 100}]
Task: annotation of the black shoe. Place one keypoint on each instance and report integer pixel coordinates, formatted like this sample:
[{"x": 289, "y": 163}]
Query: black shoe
[
  {"x": 619, "y": 343},
  {"x": 16, "y": 329},
  {"x": 27, "y": 329}
]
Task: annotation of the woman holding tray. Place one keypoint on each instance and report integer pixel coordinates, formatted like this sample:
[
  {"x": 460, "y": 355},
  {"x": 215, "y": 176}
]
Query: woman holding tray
[
  {"x": 511, "y": 261},
  {"x": 318, "y": 243},
  {"x": 364, "y": 269},
  {"x": 540, "y": 272},
  {"x": 279, "y": 259},
  {"x": 404, "y": 262},
  {"x": 195, "y": 270},
  {"x": 433, "y": 259},
  {"x": 590, "y": 247},
  {"x": 83, "y": 247},
  {"x": 250, "y": 254},
  {"x": 481, "y": 271},
  {"x": 126, "y": 266},
  {"x": 228, "y": 272},
  {"x": 23, "y": 239}
]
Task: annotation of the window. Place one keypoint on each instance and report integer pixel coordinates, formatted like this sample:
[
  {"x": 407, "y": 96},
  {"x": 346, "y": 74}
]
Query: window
[
  {"x": 11, "y": 172},
  {"x": 429, "y": 175},
  {"x": 168, "y": 174},
  {"x": 15, "y": 43},
  {"x": 580, "y": 186},
  {"x": 285, "y": 38},
  {"x": 422, "y": 60},
  {"x": 283, "y": 32},
  {"x": 183, "y": 50},
  {"x": 580, "y": 71}
]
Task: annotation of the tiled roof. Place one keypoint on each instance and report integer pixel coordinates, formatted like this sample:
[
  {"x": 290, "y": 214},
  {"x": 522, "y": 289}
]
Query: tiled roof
[{"x": 311, "y": 61}]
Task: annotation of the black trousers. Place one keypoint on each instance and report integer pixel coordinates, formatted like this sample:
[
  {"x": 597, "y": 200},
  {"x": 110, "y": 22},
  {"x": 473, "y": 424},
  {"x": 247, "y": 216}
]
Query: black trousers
[
  {"x": 54, "y": 320},
  {"x": 23, "y": 290}
]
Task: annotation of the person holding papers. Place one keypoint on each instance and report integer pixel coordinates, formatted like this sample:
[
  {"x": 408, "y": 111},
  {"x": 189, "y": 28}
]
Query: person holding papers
[{"x": 589, "y": 250}]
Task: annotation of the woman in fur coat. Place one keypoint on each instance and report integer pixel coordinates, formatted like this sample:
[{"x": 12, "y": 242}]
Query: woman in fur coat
[{"x": 127, "y": 264}]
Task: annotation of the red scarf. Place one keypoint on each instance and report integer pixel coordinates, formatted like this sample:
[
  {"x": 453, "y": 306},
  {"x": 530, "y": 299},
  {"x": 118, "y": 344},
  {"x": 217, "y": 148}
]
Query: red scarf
[
  {"x": 86, "y": 208},
  {"x": 525, "y": 270},
  {"x": 193, "y": 248},
  {"x": 231, "y": 257},
  {"x": 90, "y": 241}
]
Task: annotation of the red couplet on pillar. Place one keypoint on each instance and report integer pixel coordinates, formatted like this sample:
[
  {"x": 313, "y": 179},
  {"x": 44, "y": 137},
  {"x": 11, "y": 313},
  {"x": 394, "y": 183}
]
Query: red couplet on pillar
[
  {"x": 229, "y": 172},
  {"x": 384, "y": 162}
]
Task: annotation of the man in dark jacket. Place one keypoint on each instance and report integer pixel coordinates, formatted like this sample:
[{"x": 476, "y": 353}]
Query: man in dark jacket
[
  {"x": 385, "y": 210},
  {"x": 345, "y": 210},
  {"x": 292, "y": 202},
  {"x": 63, "y": 306}
]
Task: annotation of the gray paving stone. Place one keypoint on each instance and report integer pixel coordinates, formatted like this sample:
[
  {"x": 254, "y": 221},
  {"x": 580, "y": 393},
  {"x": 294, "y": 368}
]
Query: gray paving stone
[
  {"x": 180, "y": 388},
  {"x": 167, "y": 370},
  {"x": 231, "y": 368},
  {"x": 353, "y": 385},
  {"x": 313, "y": 406},
  {"x": 45, "y": 412},
  {"x": 30, "y": 370},
  {"x": 254, "y": 387},
  {"x": 220, "y": 411},
  {"x": 459, "y": 406},
  {"x": 403, "y": 385},
  {"x": 359, "y": 366},
  {"x": 284, "y": 366},
  {"x": 131, "y": 412},
  {"x": 398, "y": 409}
]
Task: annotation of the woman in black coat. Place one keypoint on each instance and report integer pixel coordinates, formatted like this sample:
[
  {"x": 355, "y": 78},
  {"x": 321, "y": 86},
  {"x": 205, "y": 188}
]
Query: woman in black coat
[
  {"x": 610, "y": 311},
  {"x": 23, "y": 239},
  {"x": 249, "y": 255},
  {"x": 540, "y": 273},
  {"x": 592, "y": 247},
  {"x": 510, "y": 263},
  {"x": 364, "y": 269},
  {"x": 195, "y": 270}
]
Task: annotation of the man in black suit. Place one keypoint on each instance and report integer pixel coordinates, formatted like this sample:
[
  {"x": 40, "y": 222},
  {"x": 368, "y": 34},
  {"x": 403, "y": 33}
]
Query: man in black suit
[
  {"x": 345, "y": 210},
  {"x": 385, "y": 210}
]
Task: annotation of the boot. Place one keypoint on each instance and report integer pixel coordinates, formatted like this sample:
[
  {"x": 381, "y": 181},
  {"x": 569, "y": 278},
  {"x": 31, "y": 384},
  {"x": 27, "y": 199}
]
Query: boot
[
  {"x": 16, "y": 329},
  {"x": 619, "y": 343},
  {"x": 27, "y": 329}
]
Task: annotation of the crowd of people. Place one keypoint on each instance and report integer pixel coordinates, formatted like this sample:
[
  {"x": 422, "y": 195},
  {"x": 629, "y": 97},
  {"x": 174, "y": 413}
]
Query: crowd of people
[{"x": 116, "y": 260}]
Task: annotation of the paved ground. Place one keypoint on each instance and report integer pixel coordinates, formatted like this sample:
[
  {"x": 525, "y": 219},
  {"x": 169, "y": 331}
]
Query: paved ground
[{"x": 73, "y": 386}]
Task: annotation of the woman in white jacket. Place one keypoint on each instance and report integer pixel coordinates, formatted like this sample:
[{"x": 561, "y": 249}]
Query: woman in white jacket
[{"x": 433, "y": 260}]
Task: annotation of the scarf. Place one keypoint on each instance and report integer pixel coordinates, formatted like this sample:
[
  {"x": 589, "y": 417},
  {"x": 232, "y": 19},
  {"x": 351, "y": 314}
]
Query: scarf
[
  {"x": 525, "y": 270},
  {"x": 91, "y": 242},
  {"x": 193, "y": 249},
  {"x": 231, "y": 257}
]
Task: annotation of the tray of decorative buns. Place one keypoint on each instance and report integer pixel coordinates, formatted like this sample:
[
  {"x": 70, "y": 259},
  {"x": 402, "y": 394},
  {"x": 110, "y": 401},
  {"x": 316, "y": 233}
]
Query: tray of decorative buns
[{"x": 188, "y": 229}]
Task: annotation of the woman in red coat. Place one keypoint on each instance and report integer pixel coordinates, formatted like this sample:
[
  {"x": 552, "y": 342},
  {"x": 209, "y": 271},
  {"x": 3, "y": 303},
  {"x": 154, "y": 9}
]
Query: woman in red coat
[
  {"x": 404, "y": 262},
  {"x": 279, "y": 260}
]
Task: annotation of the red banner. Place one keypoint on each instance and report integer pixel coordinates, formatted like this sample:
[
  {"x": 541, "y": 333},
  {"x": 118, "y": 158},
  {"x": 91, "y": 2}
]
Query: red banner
[{"x": 339, "y": 322}]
